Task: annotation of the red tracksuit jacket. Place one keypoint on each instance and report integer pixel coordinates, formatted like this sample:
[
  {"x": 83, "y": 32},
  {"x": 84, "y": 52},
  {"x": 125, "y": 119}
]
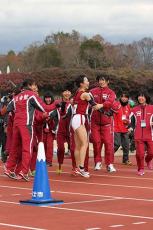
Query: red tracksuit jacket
[
  {"x": 143, "y": 113},
  {"x": 121, "y": 119},
  {"x": 24, "y": 105},
  {"x": 106, "y": 97}
]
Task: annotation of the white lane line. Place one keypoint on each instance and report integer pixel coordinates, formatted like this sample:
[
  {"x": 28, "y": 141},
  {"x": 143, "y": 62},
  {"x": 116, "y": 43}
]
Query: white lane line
[
  {"x": 87, "y": 211},
  {"x": 19, "y": 226},
  {"x": 14, "y": 187},
  {"x": 111, "y": 176},
  {"x": 99, "y": 184},
  {"x": 89, "y": 201},
  {"x": 122, "y": 177},
  {"x": 16, "y": 194},
  {"x": 93, "y": 228},
  {"x": 113, "y": 197},
  {"x": 9, "y": 202},
  {"x": 117, "y": 226},
  {"x": 102, "y": 213},
  {"x": 83, "y": 194},
  {"x": 139, "y": 223}
]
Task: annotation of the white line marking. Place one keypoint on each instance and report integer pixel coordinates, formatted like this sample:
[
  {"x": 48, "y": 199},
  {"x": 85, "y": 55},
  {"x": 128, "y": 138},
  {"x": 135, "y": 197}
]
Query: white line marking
[
  {"x": 83, "y": 194},
  {"x": 111, "y": 185},
  {"x": 88, "y": 211},
  {"x": 139, "y": 223},
  {"x": 16, "y": 194},
  {"x": 93, "y": 228},
  {"x": 97, "y": 175},
  {"x": 114, "y": 176},
  {"x": 116, "y": 226},
  {"x": 102, "y": 213},
  {"x": 8, "y": 202},
  {"x": 113, "y": 197},
  {"x": 21, "y": 188},
  {"x": 122, "y": 177},
  {"x": 19, "y": 226},
  {"x": 88, "y": 201}
]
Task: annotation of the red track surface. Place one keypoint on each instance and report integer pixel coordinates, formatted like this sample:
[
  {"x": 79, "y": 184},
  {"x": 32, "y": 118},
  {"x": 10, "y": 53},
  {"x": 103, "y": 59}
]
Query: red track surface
[{"x": 121, "y": 200}]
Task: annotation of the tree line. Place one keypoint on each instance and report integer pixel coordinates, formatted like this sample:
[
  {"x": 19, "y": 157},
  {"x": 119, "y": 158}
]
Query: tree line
[{"x": 73, "y": 50}]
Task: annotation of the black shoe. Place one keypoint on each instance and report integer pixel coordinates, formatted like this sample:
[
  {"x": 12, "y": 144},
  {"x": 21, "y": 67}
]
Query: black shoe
[{"x": 49, "y": 164}]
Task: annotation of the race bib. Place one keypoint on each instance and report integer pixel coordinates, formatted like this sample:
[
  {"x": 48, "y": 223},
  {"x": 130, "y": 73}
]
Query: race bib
[{"x": 143, "y": 123}]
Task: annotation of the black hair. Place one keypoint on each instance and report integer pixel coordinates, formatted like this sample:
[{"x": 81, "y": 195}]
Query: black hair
[
  {"x": 102, "y": 76},
  {"x": 125, "y": 94},
  {"x": 68, "y": 86},
  {"x": 27, "y": 82},
  {"x": 145, "y": 94},
  {"x": 80, "y": 79},
  {"x": 49, "y": 94}
]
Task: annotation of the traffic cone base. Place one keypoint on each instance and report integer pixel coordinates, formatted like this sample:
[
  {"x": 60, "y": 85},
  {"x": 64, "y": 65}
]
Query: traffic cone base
[{"x": 41, "y": 203}]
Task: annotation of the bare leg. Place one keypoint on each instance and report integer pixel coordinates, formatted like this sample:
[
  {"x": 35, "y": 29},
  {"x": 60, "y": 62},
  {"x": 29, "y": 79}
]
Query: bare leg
[{"x": 81, "y": 143}]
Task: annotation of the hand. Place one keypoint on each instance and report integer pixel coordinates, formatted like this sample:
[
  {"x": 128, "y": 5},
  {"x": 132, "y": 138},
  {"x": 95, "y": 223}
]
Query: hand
[
  {"x": 45, "y": 115},
  {"x": 98, "y": 106},
  {"x": 130, "y": 130}
]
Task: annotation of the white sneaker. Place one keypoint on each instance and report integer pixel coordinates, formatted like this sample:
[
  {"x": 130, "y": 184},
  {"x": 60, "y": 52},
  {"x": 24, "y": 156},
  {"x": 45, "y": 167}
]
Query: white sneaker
[
  {"x": 110, "y": 168},
  {"x": 82, "y": 172},
  {"x": 98, "y": 166}
]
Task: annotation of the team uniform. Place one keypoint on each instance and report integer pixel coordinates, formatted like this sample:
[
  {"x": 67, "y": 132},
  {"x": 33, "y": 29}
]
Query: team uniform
[
  {"x": 80, "y": 111},
  {"x": 102, "y": 127},
  {"x": 63, "y": 132},
  {"x": 24, "y": 105},
  {"x": 143, "y": 135},
  {"x": 80, "y": 117}
]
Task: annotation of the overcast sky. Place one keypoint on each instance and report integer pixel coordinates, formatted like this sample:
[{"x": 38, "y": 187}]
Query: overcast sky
[{"x": 23, "y": 22}]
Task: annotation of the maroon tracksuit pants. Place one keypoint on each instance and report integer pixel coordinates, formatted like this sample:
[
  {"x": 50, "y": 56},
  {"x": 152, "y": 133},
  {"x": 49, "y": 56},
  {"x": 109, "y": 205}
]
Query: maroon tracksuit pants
[
  {"x": 61, "y": 139},
  {"x": 141, "y": 148},
  {"x": 48, "y": 139},
  {"x": 102, "y": 135},
  {"x": 21, "y": 148}
]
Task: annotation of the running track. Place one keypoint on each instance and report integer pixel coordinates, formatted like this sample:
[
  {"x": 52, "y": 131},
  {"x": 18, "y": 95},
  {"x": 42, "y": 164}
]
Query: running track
[{"x": 122, "y": 201}]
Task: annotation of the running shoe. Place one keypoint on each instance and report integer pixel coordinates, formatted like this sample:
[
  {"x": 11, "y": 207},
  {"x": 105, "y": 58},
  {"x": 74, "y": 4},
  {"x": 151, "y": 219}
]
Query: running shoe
[
  {"x": 24, "y": 176},
  {"x": 32, "y": 173},
  {"x": 110, "y": 168},
  {"x": 10, "y": 174},
  {"x": 58, "y": 171},
  {"x": 141, "y": 172},
  {"x": 82, "y": 172},
  {"x": 98, "y": 166}
]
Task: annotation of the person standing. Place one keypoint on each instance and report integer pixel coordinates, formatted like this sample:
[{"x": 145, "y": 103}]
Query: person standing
[
  {"x": 63, "y": 132},
  {"x": 121, "y": 131},
  {"x": 24, "y": 105},
  {"x": 101, "y": 124},
  {"x": 142, "y": 116},
  {"x": 81, "y": 102}
]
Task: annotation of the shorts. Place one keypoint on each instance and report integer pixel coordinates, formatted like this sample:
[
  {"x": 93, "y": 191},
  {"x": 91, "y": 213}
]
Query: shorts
[{"x": 77, "y": 121}]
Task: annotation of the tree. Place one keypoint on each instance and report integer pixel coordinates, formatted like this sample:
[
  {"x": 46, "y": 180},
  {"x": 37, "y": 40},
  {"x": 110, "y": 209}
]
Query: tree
[
  {"x": 48, "y": 56},
  {"x": 68, "y": 45},
  {"x": 91, "y": 52},
  {"x": 144, "y": 49}
]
